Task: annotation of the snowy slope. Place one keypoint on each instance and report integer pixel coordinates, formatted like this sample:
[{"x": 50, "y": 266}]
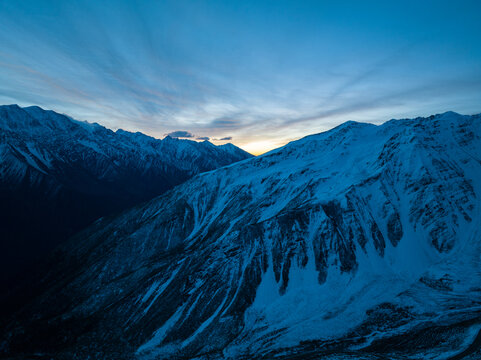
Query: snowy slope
[
  {"x": 57, "y": 175},
  {"x": 360, "y": 242}
]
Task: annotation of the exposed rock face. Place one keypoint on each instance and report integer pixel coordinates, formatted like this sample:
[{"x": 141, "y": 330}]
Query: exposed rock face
[
  {"x": 57, "y": 175},
  {"x": 355, "y": 243}
]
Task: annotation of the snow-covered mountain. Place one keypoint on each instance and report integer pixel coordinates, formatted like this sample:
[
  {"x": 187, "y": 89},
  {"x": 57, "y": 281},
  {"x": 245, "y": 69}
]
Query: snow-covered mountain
[
  {"x": 57, "y": 175},
  {"x": 362, "y": 242}
]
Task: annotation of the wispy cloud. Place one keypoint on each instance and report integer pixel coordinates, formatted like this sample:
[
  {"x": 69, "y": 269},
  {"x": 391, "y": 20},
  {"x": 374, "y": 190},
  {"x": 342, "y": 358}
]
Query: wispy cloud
[
  {"x": 224, "y": 72},
  {"x": 226, "y": 122}
]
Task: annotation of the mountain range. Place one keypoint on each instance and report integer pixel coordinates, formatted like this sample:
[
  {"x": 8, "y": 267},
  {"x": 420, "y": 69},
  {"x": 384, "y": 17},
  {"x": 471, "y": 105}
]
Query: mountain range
[
  {"x": 57, "y": 175},
  {"x": 362, "y": 242}
]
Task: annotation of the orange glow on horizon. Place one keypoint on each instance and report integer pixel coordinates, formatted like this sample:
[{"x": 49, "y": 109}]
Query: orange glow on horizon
[{"x": 261, "y": 147}]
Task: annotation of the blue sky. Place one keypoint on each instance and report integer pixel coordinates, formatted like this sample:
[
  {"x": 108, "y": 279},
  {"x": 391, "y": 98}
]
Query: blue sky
[{"x": 260, "y": 72}]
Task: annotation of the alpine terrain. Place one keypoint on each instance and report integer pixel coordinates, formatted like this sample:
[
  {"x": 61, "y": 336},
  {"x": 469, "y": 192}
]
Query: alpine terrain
[
  {"x": 363, "y": 242},
  {"x": 57, "y": 175}
]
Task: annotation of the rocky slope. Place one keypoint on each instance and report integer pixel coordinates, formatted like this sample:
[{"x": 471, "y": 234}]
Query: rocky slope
[
  {"x": 362, "y": 242},
  {"x": 57, "y": 175}
]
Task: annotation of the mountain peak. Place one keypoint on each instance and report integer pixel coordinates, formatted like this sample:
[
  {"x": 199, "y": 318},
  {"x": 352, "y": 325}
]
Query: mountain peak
[
  {"x": 58, "y": 174},
  {"x": 343, "y": 240},
  {"x": 10, "y": 106},
  {"x": 448, "y": 115},
  {"x": 33, "y": 108}
]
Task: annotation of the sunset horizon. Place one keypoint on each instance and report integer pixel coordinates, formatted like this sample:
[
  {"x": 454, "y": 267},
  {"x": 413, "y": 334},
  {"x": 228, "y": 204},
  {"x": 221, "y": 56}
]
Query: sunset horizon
[
  {"x": 240, "y": 179},
  {"x": 262, "y": 74}
]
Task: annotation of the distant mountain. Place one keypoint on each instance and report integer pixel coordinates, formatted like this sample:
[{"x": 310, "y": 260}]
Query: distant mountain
[
  {"x": 57, "y": 175},
  {"x": 362, "y": 242}
]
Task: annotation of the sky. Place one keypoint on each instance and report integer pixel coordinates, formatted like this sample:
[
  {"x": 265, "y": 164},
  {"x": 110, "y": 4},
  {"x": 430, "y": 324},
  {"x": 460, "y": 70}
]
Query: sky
[{"x": 255, "y": 73}]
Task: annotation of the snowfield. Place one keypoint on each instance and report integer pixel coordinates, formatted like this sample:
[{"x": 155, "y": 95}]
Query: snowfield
[{"x": 362, "y": 242}]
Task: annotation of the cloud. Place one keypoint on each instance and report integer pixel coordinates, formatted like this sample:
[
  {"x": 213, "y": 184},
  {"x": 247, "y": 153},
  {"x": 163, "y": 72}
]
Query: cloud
[
  {"x": 382, "y": 102},
  {"x": 181, "y": 134},
  {"x": 126, "y": 71},
  {"x": 226, "y": 122},
  {"x": 205, "y": 138},
  {"x": 227, "y": 138},
  {"x": 370, "y": 72}
]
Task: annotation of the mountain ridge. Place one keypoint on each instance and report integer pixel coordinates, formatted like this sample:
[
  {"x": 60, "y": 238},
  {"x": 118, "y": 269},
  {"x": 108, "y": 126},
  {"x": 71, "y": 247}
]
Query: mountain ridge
[
  {"x": 58, "y": 174},
  {"x": 361, "y": 241}
]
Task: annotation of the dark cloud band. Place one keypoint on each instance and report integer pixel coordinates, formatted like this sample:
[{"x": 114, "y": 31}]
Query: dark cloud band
[{"x": 181, "y": 134}]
